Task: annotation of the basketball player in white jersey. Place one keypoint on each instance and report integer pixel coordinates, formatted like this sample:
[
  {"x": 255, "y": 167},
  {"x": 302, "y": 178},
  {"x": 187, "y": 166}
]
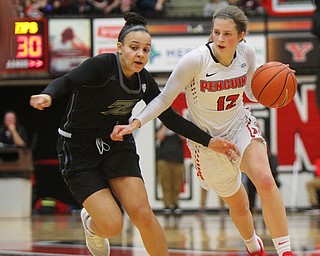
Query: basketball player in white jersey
[{"x": 215, "y": 76}]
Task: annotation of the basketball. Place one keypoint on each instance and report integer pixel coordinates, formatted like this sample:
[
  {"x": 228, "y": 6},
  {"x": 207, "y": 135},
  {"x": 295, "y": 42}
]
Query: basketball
[{"x": 274, "y": 84}]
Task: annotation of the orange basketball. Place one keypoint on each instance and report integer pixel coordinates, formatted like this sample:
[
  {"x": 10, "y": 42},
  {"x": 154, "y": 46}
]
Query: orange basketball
[{"x": 274, "y": 84}]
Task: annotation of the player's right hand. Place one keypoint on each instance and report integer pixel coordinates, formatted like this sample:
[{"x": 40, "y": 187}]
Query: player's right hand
[{"x": 40, "y": 101}]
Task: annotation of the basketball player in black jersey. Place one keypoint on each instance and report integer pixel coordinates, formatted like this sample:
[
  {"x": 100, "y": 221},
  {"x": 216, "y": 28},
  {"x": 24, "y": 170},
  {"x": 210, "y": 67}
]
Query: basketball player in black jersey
[{"x": 104, "y": 90}]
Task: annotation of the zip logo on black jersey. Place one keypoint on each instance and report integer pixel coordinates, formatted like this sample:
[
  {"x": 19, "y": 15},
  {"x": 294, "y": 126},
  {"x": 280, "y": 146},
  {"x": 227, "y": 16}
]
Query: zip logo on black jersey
[
  {"x": 120, "y": 107},
  {"x": 212, "y": 74}
]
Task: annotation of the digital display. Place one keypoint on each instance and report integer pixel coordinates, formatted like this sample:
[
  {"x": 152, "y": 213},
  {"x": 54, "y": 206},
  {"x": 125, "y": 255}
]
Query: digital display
[{"x": 27, "y": 48}]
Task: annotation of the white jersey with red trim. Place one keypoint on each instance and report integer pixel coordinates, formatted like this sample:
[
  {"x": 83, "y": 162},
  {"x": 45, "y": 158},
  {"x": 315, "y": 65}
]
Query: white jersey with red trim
[{"x": 214, "y": 93}]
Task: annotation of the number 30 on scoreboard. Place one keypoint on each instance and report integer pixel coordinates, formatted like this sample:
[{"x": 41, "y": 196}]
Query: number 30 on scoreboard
[{"x": 28, "y": 46}]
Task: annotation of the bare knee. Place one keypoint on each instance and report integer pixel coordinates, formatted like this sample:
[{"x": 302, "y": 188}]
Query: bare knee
[
  {"x": 240, "y": 210},
  {"x": 141, "y": 215},
  {"x": 266, "y": 185},
  {"x": 109, "y": 226}
]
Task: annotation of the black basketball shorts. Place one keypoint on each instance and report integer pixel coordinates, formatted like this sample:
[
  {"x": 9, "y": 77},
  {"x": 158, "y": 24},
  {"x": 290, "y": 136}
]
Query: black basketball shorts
[{"x": 86, "y": 166}]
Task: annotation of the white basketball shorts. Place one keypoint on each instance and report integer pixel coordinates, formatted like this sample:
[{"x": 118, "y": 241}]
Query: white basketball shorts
[{"x": 214, "y": 170}]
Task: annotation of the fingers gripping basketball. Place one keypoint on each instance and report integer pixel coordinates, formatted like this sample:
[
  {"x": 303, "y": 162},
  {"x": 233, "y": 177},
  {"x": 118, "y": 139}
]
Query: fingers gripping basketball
[{"x": 274, "y": 84}]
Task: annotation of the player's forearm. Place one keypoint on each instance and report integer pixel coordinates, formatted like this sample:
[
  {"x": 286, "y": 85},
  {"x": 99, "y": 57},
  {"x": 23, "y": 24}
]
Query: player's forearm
[{"x": 135, "y": 124}]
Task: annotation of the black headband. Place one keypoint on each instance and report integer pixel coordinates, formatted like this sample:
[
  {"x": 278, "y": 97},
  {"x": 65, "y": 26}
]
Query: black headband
[{"x": 130, "y": 29}]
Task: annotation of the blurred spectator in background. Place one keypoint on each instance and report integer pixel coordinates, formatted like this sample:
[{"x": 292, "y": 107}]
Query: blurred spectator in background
[
  {"x": 121, "y": 7},
  {"x": 251, "y": 7},
  {"x": 84, "y": 7},
  {"x": 203, "y": 202},
  {"x": 316, "y": 32},
  {"x": 170, "y": 168},
  {"x": 56, "y": 7},
  {"x": 127, "y": 6},
  {"x": 18, "y": 8},
  {"x": 106, "y": 6},
  {"x": 115, "y": 6},
  {"x": 313, "y": 186},
  {"x": 212, "y": 5},
  {"x": 35, "y": 8},
  {"x": 11, "y": 132},
  {"x": 151, "y": 8},
  {"x": 39, "y": 8}
]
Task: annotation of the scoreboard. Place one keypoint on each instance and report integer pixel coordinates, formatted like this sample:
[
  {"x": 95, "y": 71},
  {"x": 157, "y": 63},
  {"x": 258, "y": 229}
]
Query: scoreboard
[{"x": 25, "y": 48}]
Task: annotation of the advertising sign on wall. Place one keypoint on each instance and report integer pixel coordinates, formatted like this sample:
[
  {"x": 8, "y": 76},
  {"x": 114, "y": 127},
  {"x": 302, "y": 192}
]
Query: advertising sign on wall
[
  {"x": 301, "y": 51},
  {"x": 166, "y": 51},
  {"x": 69, "y": 43},
  {"x": 105, "y": 34}
]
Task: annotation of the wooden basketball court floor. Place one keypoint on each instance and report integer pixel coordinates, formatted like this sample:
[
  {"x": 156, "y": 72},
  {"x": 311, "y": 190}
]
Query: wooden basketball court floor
[{"x": 188, "y": 235}]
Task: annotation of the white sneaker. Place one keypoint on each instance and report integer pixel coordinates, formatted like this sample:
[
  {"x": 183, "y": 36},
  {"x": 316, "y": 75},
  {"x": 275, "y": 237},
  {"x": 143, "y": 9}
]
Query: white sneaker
[{"x": 98, "y": 246}]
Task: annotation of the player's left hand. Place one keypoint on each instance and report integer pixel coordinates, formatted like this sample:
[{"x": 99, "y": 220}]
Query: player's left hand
[{"x": 120, "y": 130}]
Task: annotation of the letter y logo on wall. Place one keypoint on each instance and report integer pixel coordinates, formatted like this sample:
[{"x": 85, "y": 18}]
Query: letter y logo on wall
[{"x": 299, "y": 50}]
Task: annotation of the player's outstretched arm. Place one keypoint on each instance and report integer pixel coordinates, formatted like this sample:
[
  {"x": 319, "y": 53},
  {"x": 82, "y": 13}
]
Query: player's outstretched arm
[{"x": 216, "y": 144}]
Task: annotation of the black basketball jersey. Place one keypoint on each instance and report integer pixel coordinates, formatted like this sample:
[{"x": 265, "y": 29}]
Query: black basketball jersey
[{"x": 102, "y": 97}]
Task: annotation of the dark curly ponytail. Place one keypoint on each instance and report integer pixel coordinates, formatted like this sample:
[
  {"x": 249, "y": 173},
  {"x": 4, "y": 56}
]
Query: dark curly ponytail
[{"x": 134, "y": 22}]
